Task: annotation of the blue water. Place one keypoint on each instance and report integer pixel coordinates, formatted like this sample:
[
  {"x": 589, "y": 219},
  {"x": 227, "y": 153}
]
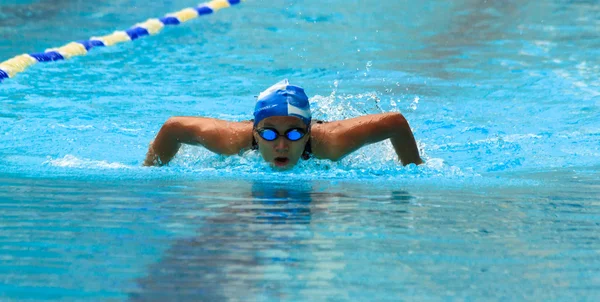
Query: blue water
[{"x": 503, "y": 98}]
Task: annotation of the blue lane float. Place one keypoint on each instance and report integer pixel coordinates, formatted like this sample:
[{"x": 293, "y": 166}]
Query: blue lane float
[{"x": 18, "y": 64}]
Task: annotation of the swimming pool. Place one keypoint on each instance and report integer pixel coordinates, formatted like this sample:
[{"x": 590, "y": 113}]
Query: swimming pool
[{"x": 503, "y": 98}]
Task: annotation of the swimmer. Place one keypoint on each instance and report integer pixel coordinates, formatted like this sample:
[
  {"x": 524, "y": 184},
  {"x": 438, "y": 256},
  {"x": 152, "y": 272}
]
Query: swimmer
[{"x": 283, "y": 132}]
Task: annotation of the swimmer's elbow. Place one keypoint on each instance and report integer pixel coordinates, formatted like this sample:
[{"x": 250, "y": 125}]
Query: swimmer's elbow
[
  {"x": 168, "y": 128},
  {"x": 398, "y": 120},
  {"x": 177, "y": 129},
  {"x": 171, "y": 124}
]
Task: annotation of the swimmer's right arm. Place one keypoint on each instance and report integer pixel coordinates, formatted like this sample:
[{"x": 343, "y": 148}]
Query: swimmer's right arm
[{"x": 219, "y": 136}]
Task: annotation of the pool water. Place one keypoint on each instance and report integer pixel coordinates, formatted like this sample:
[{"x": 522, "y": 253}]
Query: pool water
[{"x": 503, "y": 98}]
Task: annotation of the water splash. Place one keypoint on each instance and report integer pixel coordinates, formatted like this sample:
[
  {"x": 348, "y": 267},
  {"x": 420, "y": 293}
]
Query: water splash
[{"x": 71, "y": 161}]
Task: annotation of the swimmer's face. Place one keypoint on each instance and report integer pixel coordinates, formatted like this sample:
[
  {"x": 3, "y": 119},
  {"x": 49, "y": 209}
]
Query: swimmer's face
[{"x": 281, "y": 153}]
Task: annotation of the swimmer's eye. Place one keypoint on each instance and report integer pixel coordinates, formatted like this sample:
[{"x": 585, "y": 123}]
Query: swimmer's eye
[{"x": 270, "y": 134}]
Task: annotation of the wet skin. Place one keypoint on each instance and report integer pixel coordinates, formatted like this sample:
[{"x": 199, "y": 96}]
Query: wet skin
[
  {"x": 332, "y": 140},
  {"x": 281, "y": 153}
]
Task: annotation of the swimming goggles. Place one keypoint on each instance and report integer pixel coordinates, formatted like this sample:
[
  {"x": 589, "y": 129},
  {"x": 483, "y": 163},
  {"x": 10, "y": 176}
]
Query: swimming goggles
[{"x": 270, "y": 134}]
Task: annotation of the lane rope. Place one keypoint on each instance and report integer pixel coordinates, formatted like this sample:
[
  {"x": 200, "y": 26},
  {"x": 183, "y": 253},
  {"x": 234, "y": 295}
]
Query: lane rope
[{"x": 20, "y": 63}]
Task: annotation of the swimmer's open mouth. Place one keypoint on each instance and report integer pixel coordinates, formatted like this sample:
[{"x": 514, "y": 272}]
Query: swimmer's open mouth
[{"x": 281, "y": 161}]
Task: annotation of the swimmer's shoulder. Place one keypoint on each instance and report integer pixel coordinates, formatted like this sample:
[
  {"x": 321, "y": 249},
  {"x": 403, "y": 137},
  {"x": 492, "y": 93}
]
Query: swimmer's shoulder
[{"x": 322, "y": 139}]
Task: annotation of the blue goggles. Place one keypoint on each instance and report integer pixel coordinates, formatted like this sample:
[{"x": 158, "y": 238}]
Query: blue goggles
[{"x": 270, "y": 134}]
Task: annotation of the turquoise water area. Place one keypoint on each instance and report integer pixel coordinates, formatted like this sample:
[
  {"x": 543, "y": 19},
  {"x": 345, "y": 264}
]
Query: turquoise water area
[{"x": 503, "y": 98}]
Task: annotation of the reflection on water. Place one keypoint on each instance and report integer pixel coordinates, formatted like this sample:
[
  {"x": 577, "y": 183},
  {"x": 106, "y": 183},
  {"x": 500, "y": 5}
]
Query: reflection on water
[
  {"x": 267, "y": 246},
  {"x": 243, "y": 249},
  {"x": 356, "y": 242},
  {"x": 236, "y": 240}
]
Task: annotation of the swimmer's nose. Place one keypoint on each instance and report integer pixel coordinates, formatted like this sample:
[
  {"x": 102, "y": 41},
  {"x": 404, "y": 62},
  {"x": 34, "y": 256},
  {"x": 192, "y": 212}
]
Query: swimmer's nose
[{"x": 281, "y": 145}]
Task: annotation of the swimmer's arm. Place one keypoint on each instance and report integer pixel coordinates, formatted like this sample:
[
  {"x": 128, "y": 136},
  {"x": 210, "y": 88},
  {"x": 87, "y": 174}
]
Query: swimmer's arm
[
  {"x": 219, "y": 136},
  {"x": 334, "y": 140}
]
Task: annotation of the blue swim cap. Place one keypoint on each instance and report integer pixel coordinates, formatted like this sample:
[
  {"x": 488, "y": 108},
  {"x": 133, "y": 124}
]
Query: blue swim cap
[{"x": 282, "y": 99}]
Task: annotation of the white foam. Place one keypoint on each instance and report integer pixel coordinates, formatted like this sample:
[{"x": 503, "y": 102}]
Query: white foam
[
  {"x": 118, "y": 127},
  {"x": 71, "y": 161},
  {"x": 413, "y": 105},
  {"x": 74, "y": 127}
]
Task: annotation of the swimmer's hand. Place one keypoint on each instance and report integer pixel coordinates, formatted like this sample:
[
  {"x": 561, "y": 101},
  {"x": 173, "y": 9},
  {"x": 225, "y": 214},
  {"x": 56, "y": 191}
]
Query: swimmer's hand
[
  {"x": 166, "y": 144},
  {"x": 152, "y": 159}
]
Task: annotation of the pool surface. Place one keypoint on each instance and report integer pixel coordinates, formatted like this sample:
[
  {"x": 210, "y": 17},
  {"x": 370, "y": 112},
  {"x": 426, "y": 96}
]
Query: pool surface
[{"x": 503, "y": 98}]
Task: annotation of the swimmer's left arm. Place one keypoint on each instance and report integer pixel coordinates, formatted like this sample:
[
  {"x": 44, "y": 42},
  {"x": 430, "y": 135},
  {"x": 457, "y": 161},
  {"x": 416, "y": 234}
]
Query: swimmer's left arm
[{"x": 334, "y": 140}]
